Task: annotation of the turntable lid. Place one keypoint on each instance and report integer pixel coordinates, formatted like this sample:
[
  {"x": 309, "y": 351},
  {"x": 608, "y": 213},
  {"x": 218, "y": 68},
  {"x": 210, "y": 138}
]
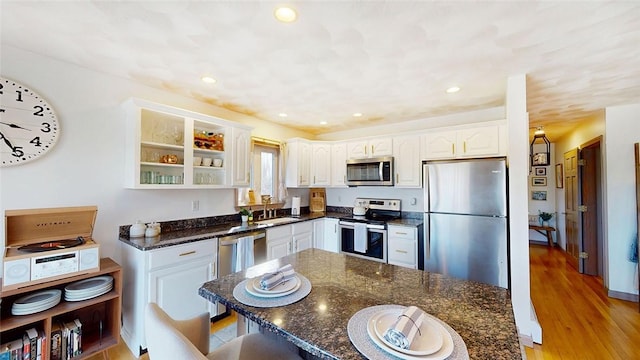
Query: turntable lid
[{"x": 37, "y": 225}]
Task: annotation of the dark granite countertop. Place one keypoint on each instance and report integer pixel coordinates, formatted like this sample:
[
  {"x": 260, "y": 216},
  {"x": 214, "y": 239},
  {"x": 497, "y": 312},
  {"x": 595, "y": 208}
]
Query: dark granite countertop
[{"x": 342, "y": 285}]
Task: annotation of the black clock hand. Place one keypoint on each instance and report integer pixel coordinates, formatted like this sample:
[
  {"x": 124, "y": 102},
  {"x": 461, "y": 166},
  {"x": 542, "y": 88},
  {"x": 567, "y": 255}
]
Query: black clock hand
[
  {"x": 14, "y": 126},
  {"x": 6, "y": 141}
]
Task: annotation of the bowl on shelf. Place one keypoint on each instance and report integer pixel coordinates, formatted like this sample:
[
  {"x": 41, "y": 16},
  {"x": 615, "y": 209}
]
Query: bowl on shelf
[{"x": 197, "y": 160}]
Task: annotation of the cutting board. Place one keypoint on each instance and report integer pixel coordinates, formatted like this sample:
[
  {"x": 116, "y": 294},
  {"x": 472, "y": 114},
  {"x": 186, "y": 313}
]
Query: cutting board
[{"x": 317, "y": 200}]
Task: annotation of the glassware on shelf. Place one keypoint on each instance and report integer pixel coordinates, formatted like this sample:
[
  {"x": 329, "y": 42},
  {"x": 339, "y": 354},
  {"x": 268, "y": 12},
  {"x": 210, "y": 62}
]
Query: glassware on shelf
[{"x": 177, "y": 134}]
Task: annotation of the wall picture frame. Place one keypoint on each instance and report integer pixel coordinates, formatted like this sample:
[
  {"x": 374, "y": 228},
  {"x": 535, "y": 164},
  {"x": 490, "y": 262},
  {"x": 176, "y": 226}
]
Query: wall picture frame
[
  {"x": 540, "y": 171},
  {"x": 539, "y": 195},
  {"x": 538, "y": 181},
  {"x": 559, "y": 176}
]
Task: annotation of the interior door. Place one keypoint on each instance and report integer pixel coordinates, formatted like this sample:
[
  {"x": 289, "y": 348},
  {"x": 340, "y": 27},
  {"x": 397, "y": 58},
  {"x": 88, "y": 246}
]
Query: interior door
[
  {"x": 589, "y": 194},
  {"x": 572, "y": 215},
  {"x": 637, "y": 153}
]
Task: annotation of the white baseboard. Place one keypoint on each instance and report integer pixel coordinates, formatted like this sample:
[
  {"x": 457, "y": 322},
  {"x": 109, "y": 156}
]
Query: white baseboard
[{"x": 536, "y": 333}]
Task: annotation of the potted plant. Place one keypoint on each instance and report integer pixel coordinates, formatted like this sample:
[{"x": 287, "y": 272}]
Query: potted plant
[
  {"x": 544, "y": 217},
  {"x": 244, "y": 213}
]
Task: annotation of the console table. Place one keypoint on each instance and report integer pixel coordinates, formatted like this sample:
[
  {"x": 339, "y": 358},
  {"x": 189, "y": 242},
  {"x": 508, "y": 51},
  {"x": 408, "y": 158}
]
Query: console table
[{"x": 544, "y": 230}]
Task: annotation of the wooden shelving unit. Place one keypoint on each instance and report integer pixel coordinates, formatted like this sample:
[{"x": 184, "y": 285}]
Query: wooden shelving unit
[{"x": 105, "y": 308}]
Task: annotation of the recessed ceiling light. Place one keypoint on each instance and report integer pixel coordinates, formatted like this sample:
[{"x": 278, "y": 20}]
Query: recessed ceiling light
[
  {"x": 323, "y": 123},
  {"x": 453, "y": 89},
  {"x": 208, "y": 79},
  {"x": 285, "y": 14},
  {"x": 282, "y": 115},
  {"x": 357, "y": 114}
]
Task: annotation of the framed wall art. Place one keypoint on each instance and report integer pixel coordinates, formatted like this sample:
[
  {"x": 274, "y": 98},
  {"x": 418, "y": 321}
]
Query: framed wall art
[
  {"x": 540, "y": 171},
  {"x": 539, "y": 195},
  {"x": 538, "y": 181},
  {"x": 559, "y": 176}
]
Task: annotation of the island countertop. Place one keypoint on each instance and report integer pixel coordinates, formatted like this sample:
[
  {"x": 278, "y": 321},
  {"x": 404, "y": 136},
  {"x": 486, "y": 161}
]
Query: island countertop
[{"x": 342, "y": 285}]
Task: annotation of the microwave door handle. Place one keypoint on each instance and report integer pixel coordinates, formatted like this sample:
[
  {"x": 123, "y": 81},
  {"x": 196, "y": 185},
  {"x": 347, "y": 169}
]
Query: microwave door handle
[{"x": 380, "y": 166}]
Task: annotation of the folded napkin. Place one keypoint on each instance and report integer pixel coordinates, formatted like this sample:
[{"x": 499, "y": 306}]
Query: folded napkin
[
  {"x": 271, "y": 280},
  {"x": 405, "y": 328}
]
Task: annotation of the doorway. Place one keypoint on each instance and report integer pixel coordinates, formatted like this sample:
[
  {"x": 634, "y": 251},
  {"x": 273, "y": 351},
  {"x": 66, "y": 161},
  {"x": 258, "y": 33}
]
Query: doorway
[{"x": 583, "y": 208}]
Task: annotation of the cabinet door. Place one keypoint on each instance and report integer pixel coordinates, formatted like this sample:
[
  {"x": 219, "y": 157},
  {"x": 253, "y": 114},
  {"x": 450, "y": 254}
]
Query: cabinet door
[
  {"x": 381, "y": 147},
  {"x": 357, "y": 149},
  {"x": 175, "y": 288},
  {"x": 298, "y": 163},
  {"x": 318, "y": 234},
  {"x": 321, "y": 164},
  {"x": 278, "y": 248},
  {"x": 408, "y": 167},
  {"x": 339, "y": 164},
  {"x": 302, "y": 242},
  {"x": 439, "y": 145},
  {"x": 479, "y": 141},
  {"x": 241, "y": 145},
  {"x": 331, "y": 235}
]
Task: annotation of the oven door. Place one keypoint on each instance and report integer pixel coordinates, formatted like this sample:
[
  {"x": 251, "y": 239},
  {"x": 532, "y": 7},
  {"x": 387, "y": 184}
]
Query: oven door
[{"x": 376, "y": 248}]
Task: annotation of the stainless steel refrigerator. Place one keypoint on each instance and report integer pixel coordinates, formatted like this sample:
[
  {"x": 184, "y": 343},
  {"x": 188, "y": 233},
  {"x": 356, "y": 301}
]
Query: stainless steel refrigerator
[{"x": 466, "y": 219}]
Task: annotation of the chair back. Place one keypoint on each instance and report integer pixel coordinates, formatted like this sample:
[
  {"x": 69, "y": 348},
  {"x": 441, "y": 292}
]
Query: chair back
[{"x": 164, "y": 341}]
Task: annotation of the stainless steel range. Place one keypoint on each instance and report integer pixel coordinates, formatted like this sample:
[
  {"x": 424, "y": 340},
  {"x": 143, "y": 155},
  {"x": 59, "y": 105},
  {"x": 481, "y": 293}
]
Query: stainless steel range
[{"x": 366, "y": 235}]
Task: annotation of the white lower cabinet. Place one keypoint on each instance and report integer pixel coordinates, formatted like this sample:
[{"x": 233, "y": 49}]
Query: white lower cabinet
[
  {"x": 287, "y": 239},
  {"x": 331, "y": 235},
  {"x": 168, "y": 276},
  {"x": 402, "y": 245}
]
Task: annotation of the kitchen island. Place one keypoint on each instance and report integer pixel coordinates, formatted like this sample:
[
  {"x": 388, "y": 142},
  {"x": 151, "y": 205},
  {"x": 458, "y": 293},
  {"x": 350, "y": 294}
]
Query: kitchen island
[{"x": 342, "y": 285}]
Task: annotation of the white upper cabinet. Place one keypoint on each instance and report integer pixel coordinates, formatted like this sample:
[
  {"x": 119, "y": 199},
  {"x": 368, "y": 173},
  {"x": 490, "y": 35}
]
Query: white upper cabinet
[
  {"x": 320, "y": 164},
  {"x": 171, "y": 148},
  {"x": 298, "y": 163},
  {"x": 338, "y": 164},
  {"x": 241, "y": 167},
  {"x": 370, "y": 148},
  {"x": 407, "y": 162},
  {"x": 464, "y": 142}
]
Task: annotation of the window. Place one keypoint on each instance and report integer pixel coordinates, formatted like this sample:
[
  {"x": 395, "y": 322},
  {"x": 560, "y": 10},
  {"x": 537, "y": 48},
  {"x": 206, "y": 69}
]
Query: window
[{"x": 265, "y": 174}]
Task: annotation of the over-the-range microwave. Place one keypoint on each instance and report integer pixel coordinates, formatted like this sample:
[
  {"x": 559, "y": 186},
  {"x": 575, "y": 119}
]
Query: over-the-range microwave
[{"x": 376, "y": 171}]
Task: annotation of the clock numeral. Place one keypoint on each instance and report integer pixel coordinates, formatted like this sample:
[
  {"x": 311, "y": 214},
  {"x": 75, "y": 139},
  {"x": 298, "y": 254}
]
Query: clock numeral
[
  {"x": 47, "y": 127},
  {"x": 36, "y": 141},
  {"x": 17, "y": 151},
  {"x": 19, "y": 95},
  {"x": 39, "y": 110}
]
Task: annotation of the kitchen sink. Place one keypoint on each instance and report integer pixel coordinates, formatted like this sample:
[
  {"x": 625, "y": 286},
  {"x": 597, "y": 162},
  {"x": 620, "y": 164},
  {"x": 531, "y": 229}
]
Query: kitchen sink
[{"x": 277, "y": 221}]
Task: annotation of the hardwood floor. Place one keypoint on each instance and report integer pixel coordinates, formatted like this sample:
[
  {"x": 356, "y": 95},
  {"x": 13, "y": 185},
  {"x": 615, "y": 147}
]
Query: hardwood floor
[{"x": 578, "y": 320}]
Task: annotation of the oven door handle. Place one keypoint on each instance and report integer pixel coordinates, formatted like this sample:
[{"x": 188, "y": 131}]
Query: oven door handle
[{"x": 369, "y": 226}]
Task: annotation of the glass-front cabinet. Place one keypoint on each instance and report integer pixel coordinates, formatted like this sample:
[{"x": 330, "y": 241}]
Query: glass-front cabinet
[{"x": 171, "y": 148}]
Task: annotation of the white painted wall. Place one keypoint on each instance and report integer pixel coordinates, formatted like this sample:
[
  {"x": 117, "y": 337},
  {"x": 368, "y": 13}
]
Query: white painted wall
[
  {"x": 622, "y": 130},
  {"x": 86, "y": 166},
  {"x": 518, "y": 123}
]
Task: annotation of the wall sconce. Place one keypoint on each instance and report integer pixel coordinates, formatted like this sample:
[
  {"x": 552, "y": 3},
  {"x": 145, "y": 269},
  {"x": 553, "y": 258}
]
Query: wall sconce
[{"x": 540, "y": 158}]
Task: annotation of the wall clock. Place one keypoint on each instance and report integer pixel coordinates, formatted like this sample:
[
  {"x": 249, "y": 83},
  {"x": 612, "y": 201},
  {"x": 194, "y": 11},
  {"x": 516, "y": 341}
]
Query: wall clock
[{"x": 28, "y": 124}]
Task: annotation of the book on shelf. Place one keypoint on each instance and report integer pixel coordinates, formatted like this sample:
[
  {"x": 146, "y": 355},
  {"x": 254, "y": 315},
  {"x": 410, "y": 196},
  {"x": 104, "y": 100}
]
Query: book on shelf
[
  {"x": 41, "y": 345},
  {"x": 11, "y": 350},
  {"x": 32, "y": 336},
  {"x": 56, "y": 342}
]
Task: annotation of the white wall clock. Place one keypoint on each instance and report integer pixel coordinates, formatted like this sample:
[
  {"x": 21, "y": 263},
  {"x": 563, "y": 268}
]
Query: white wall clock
[{"x": 28, "y": 124}]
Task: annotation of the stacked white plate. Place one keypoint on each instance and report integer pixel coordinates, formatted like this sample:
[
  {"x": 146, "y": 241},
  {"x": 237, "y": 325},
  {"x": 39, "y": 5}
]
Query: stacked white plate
[
  {"x": 36, "y": 302},
  {"x": 433, "y": 343},
  {"x": 88, "y": 288},
  {"x": 288, "y": 287}
]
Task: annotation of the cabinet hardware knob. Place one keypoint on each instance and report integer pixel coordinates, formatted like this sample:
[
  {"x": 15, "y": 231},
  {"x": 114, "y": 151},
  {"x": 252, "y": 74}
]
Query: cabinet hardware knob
[
  {"x": 453, "y": 149},
  {"x": 401, "y": 251},
  {"x": 464, "y": 147},
  {"x": 401, "y": 233},
  {"x": 188, "y": 253}
]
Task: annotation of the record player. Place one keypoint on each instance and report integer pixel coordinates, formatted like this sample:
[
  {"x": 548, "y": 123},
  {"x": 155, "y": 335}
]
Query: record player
[{"x": 49, "y": 244}]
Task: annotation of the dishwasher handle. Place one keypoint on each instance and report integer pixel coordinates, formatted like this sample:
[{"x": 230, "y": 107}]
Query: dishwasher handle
[
  {"x": 233, "y": 239},
  {"x": 229, "y": 242}
]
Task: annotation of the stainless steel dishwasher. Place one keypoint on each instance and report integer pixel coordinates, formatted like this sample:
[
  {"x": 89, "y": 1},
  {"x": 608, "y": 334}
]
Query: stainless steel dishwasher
[{"x": 240, "y": 251}]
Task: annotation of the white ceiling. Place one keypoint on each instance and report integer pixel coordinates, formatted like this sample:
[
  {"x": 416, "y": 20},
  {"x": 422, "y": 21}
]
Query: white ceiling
[{"x": 389, "y": 60}]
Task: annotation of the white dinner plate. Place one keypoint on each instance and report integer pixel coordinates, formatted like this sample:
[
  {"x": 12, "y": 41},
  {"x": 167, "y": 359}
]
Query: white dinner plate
[
  {"x": 443, "y": 353},
  {"x": 280, "y": 288},
  {"x": 88, "y": 284},
  {"x": 36, "y": 302},
  {"x": 249, "y": 287},
  {"x": 86, "y": 296},
  {"x": 427, "y": 342},
  {"x": 89, "y": 291}
]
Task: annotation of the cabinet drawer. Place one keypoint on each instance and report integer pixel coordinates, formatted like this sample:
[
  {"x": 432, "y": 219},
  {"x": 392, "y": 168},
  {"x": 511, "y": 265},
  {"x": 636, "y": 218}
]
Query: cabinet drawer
[
  {"x": 402, "y": 232},
  {"x": 302, "y": 227},
  {"x": 179, "y": 253},
  {"x": 278, "y": 232},
  {"x": 403, "y": 252}
]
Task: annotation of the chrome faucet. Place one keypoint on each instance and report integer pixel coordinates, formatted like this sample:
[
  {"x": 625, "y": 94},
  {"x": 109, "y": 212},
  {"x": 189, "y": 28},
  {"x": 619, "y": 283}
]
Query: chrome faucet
[{"x": 266, "y": 200}]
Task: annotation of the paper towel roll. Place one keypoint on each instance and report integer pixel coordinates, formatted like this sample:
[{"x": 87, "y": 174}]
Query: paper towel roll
[{"x": 295, "y": 206}]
